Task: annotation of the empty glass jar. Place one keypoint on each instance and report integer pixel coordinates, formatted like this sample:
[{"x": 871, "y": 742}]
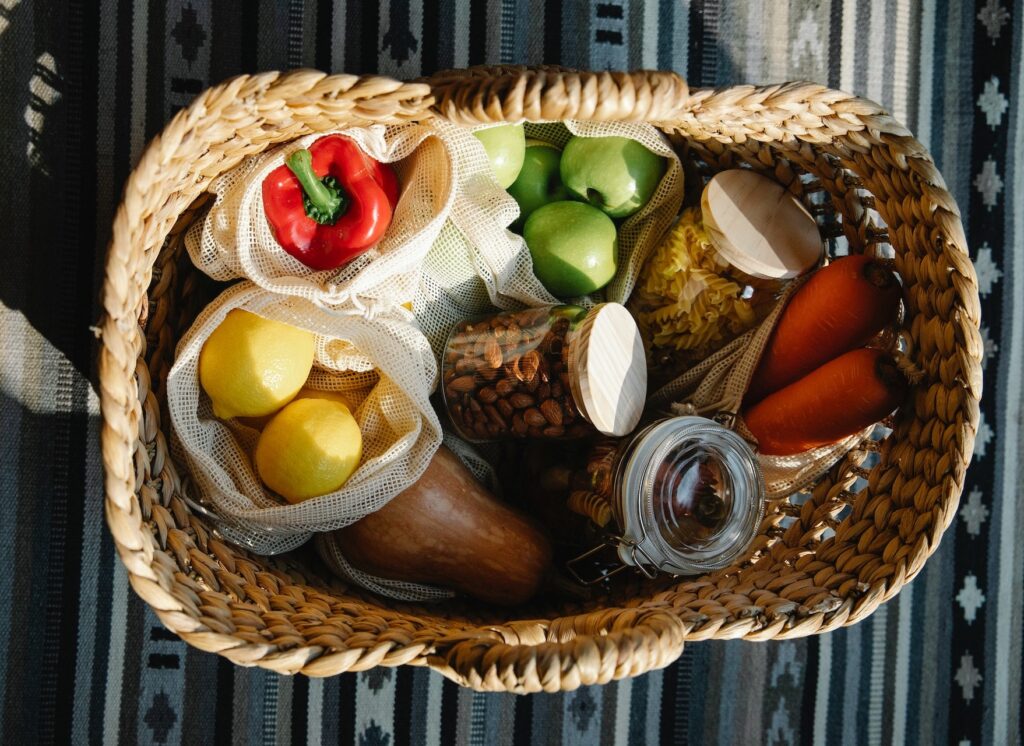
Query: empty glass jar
[{"x": 685, "y": 494}]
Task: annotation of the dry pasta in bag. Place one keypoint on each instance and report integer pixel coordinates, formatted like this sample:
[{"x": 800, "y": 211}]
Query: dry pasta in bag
[
  {"x": 717, "y": 272},
  {"x": 382, "y": 368},
  {"x": 235, "y": 239},
  {"x": 683, "y": 302},
  {"x": 477, "y": 263}
]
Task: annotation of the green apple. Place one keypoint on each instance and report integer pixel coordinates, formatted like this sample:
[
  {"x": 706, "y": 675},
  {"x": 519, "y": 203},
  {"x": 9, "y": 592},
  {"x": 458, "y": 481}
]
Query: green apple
[
  {"x": 574, "y": 247},
  {"x": 506, "y": 147},
  {"x": 539, "y": 182},
  {"x": 617, "y": 175}
]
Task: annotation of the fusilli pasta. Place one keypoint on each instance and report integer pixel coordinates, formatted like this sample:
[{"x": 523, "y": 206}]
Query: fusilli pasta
[{"x": 682, "y": 303}]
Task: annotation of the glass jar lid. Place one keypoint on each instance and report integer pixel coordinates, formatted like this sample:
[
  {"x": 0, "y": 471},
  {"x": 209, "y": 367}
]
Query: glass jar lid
[{"x": 691, "y": 497}]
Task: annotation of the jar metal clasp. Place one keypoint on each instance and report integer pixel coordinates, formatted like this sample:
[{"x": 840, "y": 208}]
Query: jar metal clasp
[
  {"x": 725, "y": 418},
  {"x": 615, "y": 543}
]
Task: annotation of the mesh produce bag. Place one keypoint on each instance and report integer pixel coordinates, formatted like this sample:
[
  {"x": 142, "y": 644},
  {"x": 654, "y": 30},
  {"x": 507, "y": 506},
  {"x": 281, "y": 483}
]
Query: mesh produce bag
[
  {"x": 332, "y": 550},
  {"x": 234, "y": 239},
  {"x": 385, "y": 367},
  {"x": 716, "y": 386},
  {"x": 477, "y": 264}
]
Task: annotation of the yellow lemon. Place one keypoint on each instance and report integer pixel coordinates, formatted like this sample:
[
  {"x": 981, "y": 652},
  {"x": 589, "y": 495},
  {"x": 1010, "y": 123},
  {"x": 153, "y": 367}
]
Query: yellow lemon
[
  {"x": 251, "y": 366},
  {"x": 345, "y": 397},
  {"x": 310, "y": 448}
]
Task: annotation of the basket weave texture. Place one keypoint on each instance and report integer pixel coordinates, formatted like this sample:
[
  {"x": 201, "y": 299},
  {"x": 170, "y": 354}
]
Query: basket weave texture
[{"x": 819, "y": 562}]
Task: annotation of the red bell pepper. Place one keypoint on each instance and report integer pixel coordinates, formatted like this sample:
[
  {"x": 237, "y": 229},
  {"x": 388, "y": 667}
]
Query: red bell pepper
[{"x": 329, "y": 204}]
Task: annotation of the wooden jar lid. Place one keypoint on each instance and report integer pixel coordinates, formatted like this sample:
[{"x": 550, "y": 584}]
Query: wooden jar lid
[
  {"x": 608, "y": 370},
  {"x": 759, "y": 227}
]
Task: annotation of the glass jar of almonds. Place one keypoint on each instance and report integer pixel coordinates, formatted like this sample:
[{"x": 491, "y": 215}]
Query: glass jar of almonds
[{"x": 550, "y": 372}]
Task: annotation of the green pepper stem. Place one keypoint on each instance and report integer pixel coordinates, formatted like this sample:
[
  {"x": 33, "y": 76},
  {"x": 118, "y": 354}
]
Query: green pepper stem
[{"x": 325, "y": 200}]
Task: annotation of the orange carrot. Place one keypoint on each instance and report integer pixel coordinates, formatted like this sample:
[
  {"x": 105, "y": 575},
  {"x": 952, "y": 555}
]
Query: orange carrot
[
  {"x": 840, "y": 398},
  {"x": 839, "y": 309}
]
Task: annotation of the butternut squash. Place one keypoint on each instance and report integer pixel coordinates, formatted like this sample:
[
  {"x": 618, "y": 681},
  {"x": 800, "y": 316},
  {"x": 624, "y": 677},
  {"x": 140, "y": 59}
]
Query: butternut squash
[{"x": 448, "y": 530}]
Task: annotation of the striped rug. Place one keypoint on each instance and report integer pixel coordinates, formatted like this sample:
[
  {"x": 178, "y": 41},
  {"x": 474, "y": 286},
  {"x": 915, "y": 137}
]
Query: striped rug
[{"x": 85, "y": 84}]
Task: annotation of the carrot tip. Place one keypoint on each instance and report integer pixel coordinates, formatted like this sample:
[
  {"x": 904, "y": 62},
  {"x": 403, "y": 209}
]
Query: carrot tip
[
  {"x": 879, "y": 275},
  {"x": 890, "y": 374}
]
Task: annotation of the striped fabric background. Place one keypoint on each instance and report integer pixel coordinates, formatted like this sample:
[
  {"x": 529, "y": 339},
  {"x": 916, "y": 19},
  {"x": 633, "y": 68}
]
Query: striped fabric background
[{"x": 85, "y": 84}]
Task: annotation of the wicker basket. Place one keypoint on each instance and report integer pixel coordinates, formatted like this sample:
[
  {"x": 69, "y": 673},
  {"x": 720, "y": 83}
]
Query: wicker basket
[{"x": 815, "y": 566}]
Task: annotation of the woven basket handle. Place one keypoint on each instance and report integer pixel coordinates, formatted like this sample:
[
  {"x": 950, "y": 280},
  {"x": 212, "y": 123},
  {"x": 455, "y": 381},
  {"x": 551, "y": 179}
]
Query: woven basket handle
[
  {"x": 535, "y": 656},
  {"x": 483, "y": 94}
]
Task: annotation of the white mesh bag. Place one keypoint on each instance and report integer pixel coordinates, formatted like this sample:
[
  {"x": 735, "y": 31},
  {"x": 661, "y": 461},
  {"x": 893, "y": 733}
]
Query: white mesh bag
[
  {"x": 332, "y": 551},
  {"x": 386, "y": 369},
  {"x": 477, "y": 264},
  {"x": 234, "y": 240}
]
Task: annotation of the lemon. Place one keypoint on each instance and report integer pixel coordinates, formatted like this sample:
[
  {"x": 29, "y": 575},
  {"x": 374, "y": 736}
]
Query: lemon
[
  {"x": 251, "y": 366},
  {"x": 310, "y": 448},
  {"x": 345, "y": 397}
]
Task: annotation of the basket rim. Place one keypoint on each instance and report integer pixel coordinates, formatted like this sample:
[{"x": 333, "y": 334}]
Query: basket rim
[{"x": 596, "y": 646}]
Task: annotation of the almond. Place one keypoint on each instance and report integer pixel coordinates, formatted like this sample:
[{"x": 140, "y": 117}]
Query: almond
[
  {"x": 463, "y": 384},
  {"x": 551, "y": 411},
  {"x": 492, "y": 353},
  {"x": 534, "y": 418},
  {"x": 496, "y": 417},
  {"x": 529, "y": 364},
  {"x": 521, "y": 401},
  {"x": 489, "y": 374}
]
